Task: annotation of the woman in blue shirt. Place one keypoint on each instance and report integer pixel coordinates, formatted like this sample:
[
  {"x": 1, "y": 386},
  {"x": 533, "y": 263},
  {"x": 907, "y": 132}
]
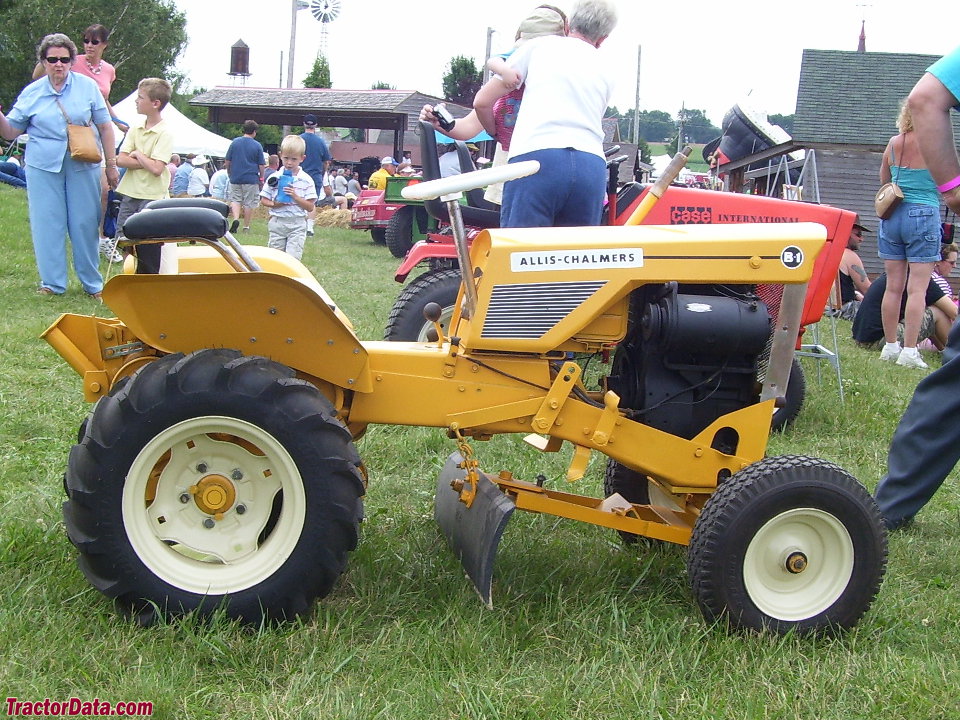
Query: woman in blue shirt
[
  {"x": 909, "y": 240},
  {"x": 63, "y": 194}
]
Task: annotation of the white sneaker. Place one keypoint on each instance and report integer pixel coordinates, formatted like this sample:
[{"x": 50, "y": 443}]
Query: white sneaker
[
  {"x": 108, "y": 248},
  {"x": 910, "y": 357},
  {"x": 890, "y": 352}
]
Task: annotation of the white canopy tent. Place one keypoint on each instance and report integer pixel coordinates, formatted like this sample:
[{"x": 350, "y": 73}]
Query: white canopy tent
[{"x": 188, "y": 137}]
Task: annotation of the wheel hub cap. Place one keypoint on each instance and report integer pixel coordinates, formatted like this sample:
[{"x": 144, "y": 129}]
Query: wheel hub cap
[
  {"x": 796, "y": 563},
  {"x": 214, "y": 494}
]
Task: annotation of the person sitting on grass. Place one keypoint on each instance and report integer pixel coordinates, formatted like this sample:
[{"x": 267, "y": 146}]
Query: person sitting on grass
[
  {"x": 290, "y": 195},
  {"x": 935, "y": 322}
]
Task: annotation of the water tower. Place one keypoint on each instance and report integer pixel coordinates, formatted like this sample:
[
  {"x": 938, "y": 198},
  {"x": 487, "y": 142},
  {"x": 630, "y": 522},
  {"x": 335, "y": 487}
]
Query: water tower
[{"x": 239, "y": 62}]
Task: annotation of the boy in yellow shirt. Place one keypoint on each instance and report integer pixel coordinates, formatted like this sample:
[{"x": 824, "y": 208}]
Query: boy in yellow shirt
[{"x": 145, "y": 153}]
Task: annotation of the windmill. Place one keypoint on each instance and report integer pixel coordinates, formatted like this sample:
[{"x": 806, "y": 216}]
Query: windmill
[{"x": 326, "y": 12}]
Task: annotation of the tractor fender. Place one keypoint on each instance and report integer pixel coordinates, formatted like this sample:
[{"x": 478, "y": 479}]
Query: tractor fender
[
  {"x": 421, "y": 252},
  {"x": 288, "y": 319}
]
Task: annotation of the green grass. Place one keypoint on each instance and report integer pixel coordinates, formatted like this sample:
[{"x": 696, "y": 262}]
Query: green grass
[
  {"x": 695, "y": 162},
  {"x": 583, "y": 627}
]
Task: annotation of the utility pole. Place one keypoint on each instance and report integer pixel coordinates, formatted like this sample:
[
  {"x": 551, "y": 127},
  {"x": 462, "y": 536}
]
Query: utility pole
[
  {"x": 295, "y": 5},
  {"x": 636, "y": 105},
  {"x": 683, "y": 107},
  {"x": 486, "y": 55}
]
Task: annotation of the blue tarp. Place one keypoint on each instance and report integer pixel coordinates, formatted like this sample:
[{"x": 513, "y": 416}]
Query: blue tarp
[{"x": 482, "y": 136}]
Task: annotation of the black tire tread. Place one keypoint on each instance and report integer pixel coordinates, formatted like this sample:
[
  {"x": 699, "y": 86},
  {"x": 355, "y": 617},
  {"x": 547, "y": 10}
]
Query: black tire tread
[
  {"x": 158, "y": 395},
  {"x": 399, "y": 236},
  {"x": 733, "y": 501},
  {"x": 406, "y": 316}
]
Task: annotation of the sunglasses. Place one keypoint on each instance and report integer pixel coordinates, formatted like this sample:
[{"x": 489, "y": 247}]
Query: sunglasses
[
  {"x": 91, "y": 41},
  {"x": 54, "y": 60}
]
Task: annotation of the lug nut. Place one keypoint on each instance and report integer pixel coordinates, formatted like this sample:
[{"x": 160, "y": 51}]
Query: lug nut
[
  {"x": 241, "y": 509},
  {"x": 201, "y": 467},
  {"x": 209, "y": 523},
  {"x": 236, "y": 475},
  {"x": 184, "y": 498}
]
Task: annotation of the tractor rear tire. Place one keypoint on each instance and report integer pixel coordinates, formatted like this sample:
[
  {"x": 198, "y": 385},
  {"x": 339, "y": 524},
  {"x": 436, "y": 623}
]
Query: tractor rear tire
[
  {"x": 406, "y": 321},
  {"x": 214, "y": 480},
  {"x": 784, "y": 416},
  {"x": 788, "y": 544},
  {"x": 633, "y": 486},
  {"x": 379, "y": 235},
  {"x": 400, "y": 230}
]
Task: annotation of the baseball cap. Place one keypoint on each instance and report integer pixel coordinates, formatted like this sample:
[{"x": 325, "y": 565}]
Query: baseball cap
[
  {"x": 310, "y": 120},
  {"x": 388, "y": 161}
]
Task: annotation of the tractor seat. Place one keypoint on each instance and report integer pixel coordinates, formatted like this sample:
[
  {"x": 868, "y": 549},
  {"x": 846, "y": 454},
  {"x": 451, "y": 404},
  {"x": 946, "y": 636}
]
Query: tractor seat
[
  {"x": 480, "y": 217},
  {"x": 203, "y": 202},
  {"x": 183, "y": 222}
]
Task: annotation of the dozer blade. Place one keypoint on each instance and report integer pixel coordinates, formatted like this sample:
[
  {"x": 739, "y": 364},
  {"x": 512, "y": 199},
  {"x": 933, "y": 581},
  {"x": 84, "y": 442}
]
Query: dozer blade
[{"x": 474, "y": 532}]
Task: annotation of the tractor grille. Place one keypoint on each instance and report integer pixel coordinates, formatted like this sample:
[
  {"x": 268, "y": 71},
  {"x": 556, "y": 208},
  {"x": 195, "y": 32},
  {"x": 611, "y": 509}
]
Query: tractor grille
[
  {"x": 771, "y": 296},
  {"x": 528, "y": 311}
]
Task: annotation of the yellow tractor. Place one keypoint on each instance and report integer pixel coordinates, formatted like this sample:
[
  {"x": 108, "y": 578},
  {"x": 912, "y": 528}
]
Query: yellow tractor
[{"x": 218, "y": 466}]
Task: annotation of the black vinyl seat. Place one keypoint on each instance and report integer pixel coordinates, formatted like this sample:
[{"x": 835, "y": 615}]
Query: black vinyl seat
[
  {"x": 204, "y": 202},
  {"x": 482, "y": 217}
]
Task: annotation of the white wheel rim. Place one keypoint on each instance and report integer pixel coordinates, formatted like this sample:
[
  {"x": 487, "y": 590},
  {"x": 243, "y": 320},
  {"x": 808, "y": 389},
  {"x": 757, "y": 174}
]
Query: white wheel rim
[
  {"x": 804, "y": 537},
  {"x": 446, "y": 315},
  {"x": 167, "y": 524}
]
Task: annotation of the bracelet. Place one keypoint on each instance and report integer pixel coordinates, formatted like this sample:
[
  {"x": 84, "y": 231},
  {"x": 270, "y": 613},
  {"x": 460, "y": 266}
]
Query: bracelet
[{"x": 949, "y": 185}]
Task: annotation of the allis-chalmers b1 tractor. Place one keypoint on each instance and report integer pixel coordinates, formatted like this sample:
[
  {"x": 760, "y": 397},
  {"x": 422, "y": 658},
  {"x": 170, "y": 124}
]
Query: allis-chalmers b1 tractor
[{"x": 218, "y": 466}]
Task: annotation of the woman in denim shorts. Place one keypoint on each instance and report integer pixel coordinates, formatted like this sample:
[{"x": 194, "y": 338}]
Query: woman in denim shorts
[{"x": 908, "y": 242}]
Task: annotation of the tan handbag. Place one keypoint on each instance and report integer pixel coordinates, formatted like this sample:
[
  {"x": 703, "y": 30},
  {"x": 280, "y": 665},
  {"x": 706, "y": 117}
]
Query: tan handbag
[
  {"x": 889, "y": 195},
  {"x": 81, "y": 141}
]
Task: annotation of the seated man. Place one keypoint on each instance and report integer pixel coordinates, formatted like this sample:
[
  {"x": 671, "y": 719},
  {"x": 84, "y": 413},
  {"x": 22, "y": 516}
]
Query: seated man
[
  {"x": 854, "y": 281},
  {"x": 937, "y": 318}
]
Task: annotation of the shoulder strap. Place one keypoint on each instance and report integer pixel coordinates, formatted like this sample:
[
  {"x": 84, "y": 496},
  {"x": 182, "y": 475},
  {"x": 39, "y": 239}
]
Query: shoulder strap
[
  {"x": 902, "y": 144},
  {"x": 65, "y": 117}
]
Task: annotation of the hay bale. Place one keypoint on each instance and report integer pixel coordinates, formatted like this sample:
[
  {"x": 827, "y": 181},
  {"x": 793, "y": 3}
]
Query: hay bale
[{"x": 328, "y": 217}]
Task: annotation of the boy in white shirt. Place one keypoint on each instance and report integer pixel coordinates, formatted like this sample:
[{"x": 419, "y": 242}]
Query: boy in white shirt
[{"x": 289, "y": 194}]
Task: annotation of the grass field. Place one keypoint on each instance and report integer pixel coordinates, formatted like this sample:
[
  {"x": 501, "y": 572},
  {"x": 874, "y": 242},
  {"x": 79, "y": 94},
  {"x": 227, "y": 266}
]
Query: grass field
[{"x": 583, "y": 626}]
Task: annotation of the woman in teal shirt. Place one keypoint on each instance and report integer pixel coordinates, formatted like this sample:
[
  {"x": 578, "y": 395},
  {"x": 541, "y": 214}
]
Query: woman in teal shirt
[
  {"x": 63, "y": 194},
  {"x": 908, "y": 242}
]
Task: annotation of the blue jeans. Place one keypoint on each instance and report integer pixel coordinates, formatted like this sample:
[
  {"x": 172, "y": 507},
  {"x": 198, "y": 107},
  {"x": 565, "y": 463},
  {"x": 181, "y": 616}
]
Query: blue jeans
[
  {"x": 926, "y": 444},
  {"x": 912, "y": 233},
  {"x": 567, "y": 192},
  {"x": 62, "y": 203},
  {"x": 12, "y": 174}
]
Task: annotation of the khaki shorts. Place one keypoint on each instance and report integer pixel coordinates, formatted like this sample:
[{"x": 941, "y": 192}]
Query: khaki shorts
[
  {"x": 927, "y": 328},
  {"x": 246, "y": 195}
]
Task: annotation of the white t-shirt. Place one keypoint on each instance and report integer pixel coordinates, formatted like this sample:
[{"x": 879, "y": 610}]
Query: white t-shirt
[
  {"x": 303, "y": 185},
  {"x": 450, "y": 163},
  {"x": 567, "y": 89},
  {"x": 197, "y": 182}
]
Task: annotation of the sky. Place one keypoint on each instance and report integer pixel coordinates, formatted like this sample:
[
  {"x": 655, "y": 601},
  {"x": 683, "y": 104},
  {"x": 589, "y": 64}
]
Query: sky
[{"x": 699, "y": 54}]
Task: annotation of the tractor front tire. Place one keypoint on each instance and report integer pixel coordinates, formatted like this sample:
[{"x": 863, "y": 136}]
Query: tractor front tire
[
  {"x": 788, "y": 543},
  {"x": 406, "y": 321},
  {"x": 379, "y": 235},
  {"x": 214, "y": 480}
]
